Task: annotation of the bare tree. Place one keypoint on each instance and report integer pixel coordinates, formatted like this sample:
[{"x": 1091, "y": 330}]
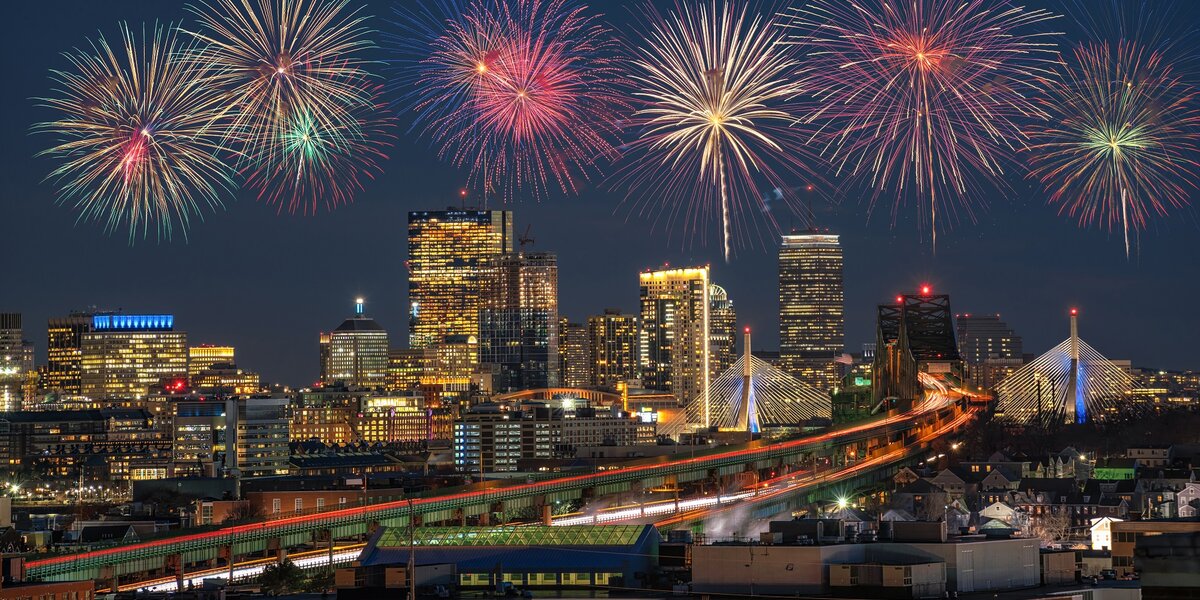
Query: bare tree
[
  {"x": 1051, "y": 527},
  {"x": 243, "y": 511}
]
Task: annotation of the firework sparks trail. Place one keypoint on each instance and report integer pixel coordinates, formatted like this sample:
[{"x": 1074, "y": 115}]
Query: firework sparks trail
[
  {"x": 1122, "y": 143},
  {"x": 288, "y": 64},
  {"x": 923, "y": 95},
  {"x": 716, "y": 102},
  {"x": 523, "y": 94},
  {"x": 136, "y": 145}
]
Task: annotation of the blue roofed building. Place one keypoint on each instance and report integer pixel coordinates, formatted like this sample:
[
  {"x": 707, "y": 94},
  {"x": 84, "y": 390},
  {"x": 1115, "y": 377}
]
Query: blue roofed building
[{"x": 527, "y": 556}]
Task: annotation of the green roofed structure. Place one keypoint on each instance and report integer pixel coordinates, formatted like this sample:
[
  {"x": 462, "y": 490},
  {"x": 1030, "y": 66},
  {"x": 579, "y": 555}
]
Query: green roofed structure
[
  {"x": 579, "y": 535},
  {"x": 585, "y": 556}
]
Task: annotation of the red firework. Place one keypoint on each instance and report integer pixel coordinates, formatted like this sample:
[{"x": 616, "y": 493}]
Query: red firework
[{"x": 534, "y": 95}]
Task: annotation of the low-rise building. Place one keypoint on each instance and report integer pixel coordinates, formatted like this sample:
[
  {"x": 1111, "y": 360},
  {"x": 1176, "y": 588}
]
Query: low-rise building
[
  {"x": 974, "y": 564},
  {"x": 1126, "y": 535}
]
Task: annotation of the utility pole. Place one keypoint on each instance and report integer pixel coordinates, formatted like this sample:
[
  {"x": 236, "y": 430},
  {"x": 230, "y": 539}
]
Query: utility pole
[{"x": 412, "y": 552}]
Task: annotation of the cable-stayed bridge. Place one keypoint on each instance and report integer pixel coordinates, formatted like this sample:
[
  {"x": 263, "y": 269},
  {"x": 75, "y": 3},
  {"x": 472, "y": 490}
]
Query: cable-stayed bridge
[{"x": 1070, "y": 383}]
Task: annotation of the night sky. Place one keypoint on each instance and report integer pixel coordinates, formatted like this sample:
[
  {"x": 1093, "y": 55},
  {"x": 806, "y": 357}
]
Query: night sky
[{"x": 268, "y": 283}]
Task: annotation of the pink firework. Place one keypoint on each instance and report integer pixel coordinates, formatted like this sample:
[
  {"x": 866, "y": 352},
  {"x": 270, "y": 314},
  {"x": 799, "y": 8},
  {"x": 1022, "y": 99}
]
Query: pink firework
[
  {"x": 923, "y": 97},
  {"x": 533, "y": 91}
]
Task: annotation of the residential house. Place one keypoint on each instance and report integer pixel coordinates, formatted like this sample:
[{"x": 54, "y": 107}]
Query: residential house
[
  {"x": 1115, "y": 468},
  {"x": 1101, "y": 531},
  {"x": 1187, "y": 500},
  {"x": 1150, "y": 455},
  {"x": 923, "y": 499}
]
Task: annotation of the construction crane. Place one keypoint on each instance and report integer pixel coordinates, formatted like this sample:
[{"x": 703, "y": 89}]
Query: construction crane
[{"x": 525, "y": 238}]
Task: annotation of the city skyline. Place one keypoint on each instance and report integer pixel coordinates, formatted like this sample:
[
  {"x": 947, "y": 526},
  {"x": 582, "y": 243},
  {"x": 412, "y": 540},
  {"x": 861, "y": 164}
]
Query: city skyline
[{"x": 229, "y": 284}]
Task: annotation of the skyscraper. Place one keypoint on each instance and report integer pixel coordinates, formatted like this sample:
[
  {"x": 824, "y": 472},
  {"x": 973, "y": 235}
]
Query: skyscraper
[
  {"x": 64, "y": 342},
  {"x": 981, "y": 337},
  {"x": 358, "y": 351},
  {"x": 16, "y": 363},
  {"x": 446, "y": 255},
  {"x": 518, "y": 320},
  {"x": 206, "y": 356},
  {"x": 613, "y": 343},
  {"x": 674, "y": 344},
  {"x": 989, "y": 347},
  {"x": 722, "y": 334},
  {"x": 575, "y": 351},
  {"x": 124, "y": 355},
  {"x": 811, "y": 307}
]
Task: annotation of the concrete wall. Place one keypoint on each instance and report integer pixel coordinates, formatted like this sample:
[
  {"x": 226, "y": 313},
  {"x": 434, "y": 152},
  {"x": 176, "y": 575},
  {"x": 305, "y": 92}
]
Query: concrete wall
[
  {"x": 973, "y": 566},
  {"x": 783, "y": 570}
]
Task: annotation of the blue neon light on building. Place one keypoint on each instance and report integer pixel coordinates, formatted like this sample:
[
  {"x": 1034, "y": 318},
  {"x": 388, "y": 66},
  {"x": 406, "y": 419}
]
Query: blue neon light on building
[{"x": 133, "y": 322}]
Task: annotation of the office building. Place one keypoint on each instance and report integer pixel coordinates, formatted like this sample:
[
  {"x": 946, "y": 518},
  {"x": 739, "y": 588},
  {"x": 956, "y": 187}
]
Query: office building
[
  {"x": 114, "y": 444},
  {"x": 358, "y": 351},
  {"x": 64, "y": 347},
  {"x": 17, "y": 375},
  {"x": 226, "y": 378},
  {"x": 811, "y": 308},
  {"x": 206, "y": 356},
  {"x": 123, "y": 356},
  {"x": 989, "y": 347},
  {"x": 497, "y": 438},
  {"x": 722, "y": 321},
  {"x": 451, "y": 370},
  {"x": 396, "y": 419},
  {"x": 405, "y": 367},
  {"x": 981, "y": 337},
  {"x": 198, "y": 428},
  {"x": 674, "y": 344},
  {"x": 613, "y": 344},
  {"x": 447, "y": 252},
  {"x": 575, "y": 354},
  {"x": 257, "y": 435},
  {"x": 518, "y": 320},
  {"x": 323, "y": 358}
]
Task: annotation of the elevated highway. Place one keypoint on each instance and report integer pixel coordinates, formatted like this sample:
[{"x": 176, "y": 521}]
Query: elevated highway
[{"x": 180, "y": 555}]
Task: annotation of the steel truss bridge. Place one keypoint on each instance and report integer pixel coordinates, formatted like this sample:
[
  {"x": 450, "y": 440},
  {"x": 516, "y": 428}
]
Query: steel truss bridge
[{"x": 179, "y": 554}]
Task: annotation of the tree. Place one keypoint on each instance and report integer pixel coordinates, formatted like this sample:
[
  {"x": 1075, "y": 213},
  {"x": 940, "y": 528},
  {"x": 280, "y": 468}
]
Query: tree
[
  {"x": 321, "y": 581},
  {"x": 281, "y": 578},
  {"x": 1051, "y": 527},
  {"x": 243, "y": 511}
]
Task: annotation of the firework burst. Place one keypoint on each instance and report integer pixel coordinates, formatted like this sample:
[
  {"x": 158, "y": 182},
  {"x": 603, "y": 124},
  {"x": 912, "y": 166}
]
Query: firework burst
[
  {"x": 1123, "y": 138},
  {"x": 137, "y": 147},
  {"x": 923, "y": 96},
  {"x": 523, "y": 94},
  {"x": 716, "y": 102},
  {"x": 287, "y": 65}
]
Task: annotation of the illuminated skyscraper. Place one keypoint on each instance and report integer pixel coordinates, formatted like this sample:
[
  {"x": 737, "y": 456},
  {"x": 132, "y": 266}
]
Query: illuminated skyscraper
[
  {"x": 575, "y": 350},
  {"x": 518, "y": 320},
  {"x": 613, "y": 343},
  {"x": 674, "y": 344},
  {"x": 358, "y": 351},
  {"x": 405, "y": 368},
  {"x": 981, "y": 337},
  {"x": 811, "y": 308},
  {"x": 722, "y": 331},
  {"x": 205, "y": 357},
  {"x": 989, "y": 347},
  {"x": 17, "y": 375},
  {"x": 124, "y": 355},
  {"x": 447, "y": 252},
  {"x": 64, "y": 342},
  {"x": 323, "y": 357}
]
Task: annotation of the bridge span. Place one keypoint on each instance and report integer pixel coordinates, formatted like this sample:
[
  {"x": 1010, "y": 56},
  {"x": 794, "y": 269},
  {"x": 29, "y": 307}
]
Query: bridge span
[{"x": 188, "y": 552}]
